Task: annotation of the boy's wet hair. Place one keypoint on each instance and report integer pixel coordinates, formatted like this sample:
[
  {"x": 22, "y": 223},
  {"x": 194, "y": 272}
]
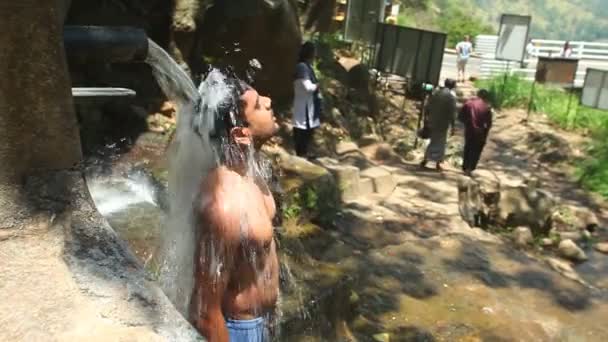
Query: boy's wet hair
[{"x": 230, "y": 109}]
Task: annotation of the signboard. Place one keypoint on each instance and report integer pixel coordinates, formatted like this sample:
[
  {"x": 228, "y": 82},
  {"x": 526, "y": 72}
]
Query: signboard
[
  {"x": 409, "y": 52},
  {"x": 559, "y": 71},
  {"x": 512, "y": 37},
  {"x": 595, "y": 89},
  {"x": 361, "y": 19}
]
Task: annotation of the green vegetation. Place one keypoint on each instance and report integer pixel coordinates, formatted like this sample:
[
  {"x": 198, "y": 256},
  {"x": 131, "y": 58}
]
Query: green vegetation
[
  {"x": 551, "y": 19},
  {"x": 515, "y": 92},
  {"x": 457, "y": 23},
  {"x": 317, "y": 201}
]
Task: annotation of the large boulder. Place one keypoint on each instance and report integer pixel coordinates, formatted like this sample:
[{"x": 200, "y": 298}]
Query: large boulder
[
  {"x": 574, "y": 218},
  {"x": 525, "y": 206},
  {"x": 484, "y": 202},
  {"x": 235, "y": 32}
]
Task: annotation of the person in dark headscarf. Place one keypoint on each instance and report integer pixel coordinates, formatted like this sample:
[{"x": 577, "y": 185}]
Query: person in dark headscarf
[{"x": 306, "y": 102}]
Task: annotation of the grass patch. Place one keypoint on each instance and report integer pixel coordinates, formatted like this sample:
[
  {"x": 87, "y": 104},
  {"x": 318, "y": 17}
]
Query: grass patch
[{"x": 563, "y": 108}]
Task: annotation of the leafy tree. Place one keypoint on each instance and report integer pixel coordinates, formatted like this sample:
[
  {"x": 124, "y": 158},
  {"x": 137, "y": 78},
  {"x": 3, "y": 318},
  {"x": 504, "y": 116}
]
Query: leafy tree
[{"x": 457, "y": 23}]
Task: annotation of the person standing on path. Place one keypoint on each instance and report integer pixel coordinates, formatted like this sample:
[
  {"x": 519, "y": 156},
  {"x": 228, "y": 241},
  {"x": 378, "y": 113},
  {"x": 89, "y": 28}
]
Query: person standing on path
[
  {"x": 476, "y": 114},
  {"x": 306, "y": 102},
  {"x": 464, "y": 49},
  {"x": 440, "y": 116}
]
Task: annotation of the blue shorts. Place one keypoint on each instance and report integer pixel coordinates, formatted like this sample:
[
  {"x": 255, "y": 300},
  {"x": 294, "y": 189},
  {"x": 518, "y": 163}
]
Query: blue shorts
[{"x": 250, "y": 330}]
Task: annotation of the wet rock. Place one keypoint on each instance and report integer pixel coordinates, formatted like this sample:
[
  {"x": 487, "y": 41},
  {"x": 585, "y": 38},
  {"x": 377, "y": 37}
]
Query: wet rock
[
  {"x": 382, "y": 179},
  {"x": 523, "y": 236},
  {"x": 569, "y": 250},
  {"x": 230, "y": 33},
  {"x": 160, "y": 123},
  {"x": 382, "y": 337},
  {"x": 167, "y": 108},
  {"x": 484, "y": 202},
  {"x": 586, "y": 235},
  {"x": 294, "y": 164},
  {"x": 574, "y": 218},
  {"x": 574, "y": 236},
  {"x": 345, "y": 147},
  {"x": 602, "y": 247},
  {"x": 547, "y": 242},
  {"x": 564, "y": 268},
  {"x": 522, "y": 205},
  {"x": 369, "y": 139}
]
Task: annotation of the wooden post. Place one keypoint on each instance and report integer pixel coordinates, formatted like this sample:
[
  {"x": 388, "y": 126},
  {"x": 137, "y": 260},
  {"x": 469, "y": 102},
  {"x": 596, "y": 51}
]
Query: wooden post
[
  {"x": 532, "y": 91},
  {"x": 420, "y": 116}
]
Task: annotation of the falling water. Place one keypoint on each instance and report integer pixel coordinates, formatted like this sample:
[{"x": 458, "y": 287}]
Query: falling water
[
  {"x": 190, "y": 157},
  {"x": 114, "y": 194}
]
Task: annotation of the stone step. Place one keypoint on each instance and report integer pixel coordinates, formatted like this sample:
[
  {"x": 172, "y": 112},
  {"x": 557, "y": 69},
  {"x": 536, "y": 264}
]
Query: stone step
[
  {"x": 346, "y": 176},
  {"x": 344, "y": 147},
  {"x": 366, "y": 187},
  {"x": 382, "y": 180}
]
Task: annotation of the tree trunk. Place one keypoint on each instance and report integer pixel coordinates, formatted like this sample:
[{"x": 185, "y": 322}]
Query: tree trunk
[{"x": 38, "y": 128}]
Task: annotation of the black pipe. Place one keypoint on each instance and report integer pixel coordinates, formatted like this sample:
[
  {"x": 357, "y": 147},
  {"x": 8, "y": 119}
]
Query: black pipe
[{"x": 105, "y": 44}]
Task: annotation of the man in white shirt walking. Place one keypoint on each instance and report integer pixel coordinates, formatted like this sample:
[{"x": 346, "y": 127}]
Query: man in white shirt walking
[{"x": 464, "y": 49}]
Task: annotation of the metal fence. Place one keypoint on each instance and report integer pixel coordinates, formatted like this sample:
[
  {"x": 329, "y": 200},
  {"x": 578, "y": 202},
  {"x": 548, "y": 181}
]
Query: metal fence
[{"x": 412, "y": 53}]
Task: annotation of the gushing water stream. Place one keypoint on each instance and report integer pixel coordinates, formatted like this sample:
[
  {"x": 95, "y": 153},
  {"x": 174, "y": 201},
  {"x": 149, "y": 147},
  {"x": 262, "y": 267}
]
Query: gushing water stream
[{"x": 190, "y": 157}]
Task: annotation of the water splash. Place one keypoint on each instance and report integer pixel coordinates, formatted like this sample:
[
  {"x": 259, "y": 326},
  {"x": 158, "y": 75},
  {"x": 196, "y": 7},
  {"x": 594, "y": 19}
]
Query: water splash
[
  {"x": 190, "y": 157},
  {"x": 115, "y": 194}
]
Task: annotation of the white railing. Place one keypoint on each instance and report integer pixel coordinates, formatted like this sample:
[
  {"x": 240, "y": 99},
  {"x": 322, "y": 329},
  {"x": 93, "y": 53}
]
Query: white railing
[
  {"x": 590, "y": 55},
  {"x": 580, "y": 50},
  {"x": 486, "y": 45},
  {"x": 491, "y": 67}
]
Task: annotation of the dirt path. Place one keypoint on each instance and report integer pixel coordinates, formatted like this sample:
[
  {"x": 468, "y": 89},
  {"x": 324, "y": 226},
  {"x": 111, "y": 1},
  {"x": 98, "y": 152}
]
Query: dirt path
[
  {"x": 513, "y": 153},
  {"x": 423, "y": 274}
]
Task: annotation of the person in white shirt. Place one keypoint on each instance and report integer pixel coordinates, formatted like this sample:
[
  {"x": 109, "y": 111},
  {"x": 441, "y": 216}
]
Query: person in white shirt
[
  {"x": 531, "y": 52},
  {"x": 464, "y": 49},
  {"x": 566, "y": 51},
  {"x": 307, "y": 101},
  {"x": 531, "y": 49}
]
